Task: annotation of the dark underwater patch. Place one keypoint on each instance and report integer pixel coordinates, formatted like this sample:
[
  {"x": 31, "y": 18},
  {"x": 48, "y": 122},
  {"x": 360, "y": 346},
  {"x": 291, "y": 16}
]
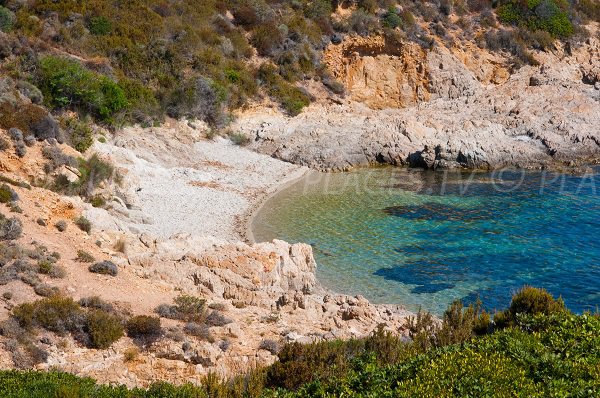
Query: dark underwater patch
[{"x": 439, "y": 212}]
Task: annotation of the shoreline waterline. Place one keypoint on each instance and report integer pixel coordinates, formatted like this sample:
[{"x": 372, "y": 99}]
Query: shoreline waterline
[{"x": 245, "y": 230}]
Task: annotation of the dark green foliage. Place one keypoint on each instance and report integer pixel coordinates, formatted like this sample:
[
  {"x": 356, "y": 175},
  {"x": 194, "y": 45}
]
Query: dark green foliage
[
  {"x": 551, "y": 16},
  {"x": 65, "y": 83},
  {"x": 187, "y": 308},
  {"x": 84, "y": 224},
  {"x": 95, "y": 327},
  {"x": 303, "y": 363},
  {"x": 57, "y": 314},
  {"x": 6, "y": 194},
  {"x": 529, "y": 301},
  {"x": 291, "y": 98},
  {"x": 391, "y": 19},
  {"x": 100, "y": 26},
  {"x": 103, "y": 329},
  {"x": 7, "y": 19},
  {"x": 143, "y": 326}
]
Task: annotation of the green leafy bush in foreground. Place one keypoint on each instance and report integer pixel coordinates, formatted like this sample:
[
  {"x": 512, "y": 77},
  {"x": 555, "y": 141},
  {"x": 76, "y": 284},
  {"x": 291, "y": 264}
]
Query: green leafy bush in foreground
[{"x": 546, "y": 352}]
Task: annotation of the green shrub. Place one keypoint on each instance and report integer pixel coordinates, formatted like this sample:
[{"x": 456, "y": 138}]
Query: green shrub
[
  {"x": 143, "y": 326},
  {"x": 65, "y": 83},
  {"x": 7, "y": 19},
  {"x": 291, "y": 98},
  {"x": 187, "y": 308},
  {"x": 81, "y": 135},
  {"x": 85, "y": 257},
  {"x": 551, "y": 16},
  {"x": 391, "y": 19},
  {"x": 6, "y": 194},
  {"x": 529, "y": 301},
  {"x": 84, "y": 224},
  {"x": 103, "y": 329},
  {"x": 99, "y": 26},
  {"x": 93, "y": 171},
  {"x": 57, "y": 314},
  {"x": 44, "y": 267},
  {"x": 266, "y": 39},
  {"x": 554, "y": 356}
]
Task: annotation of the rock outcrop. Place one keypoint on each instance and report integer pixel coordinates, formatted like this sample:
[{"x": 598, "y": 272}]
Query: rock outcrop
[{"x": 540, "y": 116}]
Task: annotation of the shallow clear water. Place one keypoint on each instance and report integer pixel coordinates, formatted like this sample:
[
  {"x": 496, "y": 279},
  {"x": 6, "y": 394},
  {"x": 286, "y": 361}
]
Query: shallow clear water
[{"x": 428, "y": 238}]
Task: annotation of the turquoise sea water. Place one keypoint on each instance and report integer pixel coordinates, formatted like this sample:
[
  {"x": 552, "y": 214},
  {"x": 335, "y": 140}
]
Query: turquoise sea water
[{"x": 427, "y": 238}]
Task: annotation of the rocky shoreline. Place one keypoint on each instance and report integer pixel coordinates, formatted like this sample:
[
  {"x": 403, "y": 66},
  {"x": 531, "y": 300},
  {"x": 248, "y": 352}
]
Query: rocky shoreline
[{"x": 544, "y": 116}]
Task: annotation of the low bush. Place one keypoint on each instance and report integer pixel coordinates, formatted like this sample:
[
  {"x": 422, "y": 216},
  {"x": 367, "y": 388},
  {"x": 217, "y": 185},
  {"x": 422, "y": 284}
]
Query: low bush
[
  {"x": 61, "y": 225},
  {"x": 46, "y": 290},
  {"x": 200, "y": 98},
  {"x": 215, "y": 318},
  {"x": 270, "y": 345},
  {"x": 7, "y": 194},
  {"x": 85, "y": 257},
  {"x": 7, "y": 19},
  {"x": 143, "y": 326},
  {"x": 56, "y": 158},
  {"x": 49, "y": 268},
  {"x": 291, "y": 98},
  {"x": 198, "y": 330},
  {"x": 80, "y": 134},
  {"x": 240, "y": 139},
  {"x": 187, "y": 308},
  {"x": 84, "y": 224},
  {"x": 103, "y": 329},
  {"x": 57, "y": 314},
  {"x": 99, "y": 26},
  {"x": 104, "y": 268},
  {"x": 93, "y": 171},
  {"x": 529, "y": 301},
  {"x": 10, "y": 228},
  {"x": 548, "y": 355},
  {"x": 391, "y": 19}
]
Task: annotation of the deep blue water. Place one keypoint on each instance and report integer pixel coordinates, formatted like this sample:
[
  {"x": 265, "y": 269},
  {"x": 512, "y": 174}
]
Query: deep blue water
[{"x": 424, "y": 239}]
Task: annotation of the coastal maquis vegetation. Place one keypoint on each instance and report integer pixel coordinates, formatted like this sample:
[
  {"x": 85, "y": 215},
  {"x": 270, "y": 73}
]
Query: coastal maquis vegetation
[
  {"x": 138, "y": 61},
  {"x": 534, "y": 348}
]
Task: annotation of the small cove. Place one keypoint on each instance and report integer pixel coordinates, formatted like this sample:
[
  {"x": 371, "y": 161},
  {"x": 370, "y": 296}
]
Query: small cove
[{"x": 424, "y": 239}]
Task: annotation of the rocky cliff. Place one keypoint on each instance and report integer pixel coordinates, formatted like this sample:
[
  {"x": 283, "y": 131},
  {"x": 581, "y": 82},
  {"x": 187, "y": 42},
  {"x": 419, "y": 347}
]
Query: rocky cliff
[{"x": 444, "y": 109}]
